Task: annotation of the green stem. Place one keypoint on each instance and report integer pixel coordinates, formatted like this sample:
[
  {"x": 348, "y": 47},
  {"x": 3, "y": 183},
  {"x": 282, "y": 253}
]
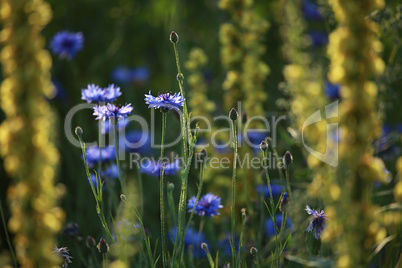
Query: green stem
[
  {"x": 272, "y": 212},
  {"x": 243, "y": 225},
  {"x": 185, "y": 113},
  {"x": 104, "y": 257},
  {"x": 202, "y": 222},
  {"x": 210, "y": 260},
  {"x": 262, "y": 217},
  {"x": 161, "y": 191},
  {"x": 282, "y": 229},
  {"x": 140, "y": 191},
  {"x": 7, "y": 237},
  {"x": 277, "y": 162},
  {"x": 97, "y": 193},
  {"x": 171, "y": 205},
  {"x": 233, "y": 218},
  {"x": 288, "y": 182},
  {"x": 197, "y": 197},
  {"x": 116, "y": 145}
]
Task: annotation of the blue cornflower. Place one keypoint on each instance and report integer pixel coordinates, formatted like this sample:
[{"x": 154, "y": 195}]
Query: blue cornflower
[
  {"x": 225, "y": 248},
  {"x": 63, "y": 252},
  {"x": 165, "y": 101},
  {"x": 153, "y": 167},
  {"x": 59, "y": 91},
  {"x": 112, "y": 111},
  {"x": 311, "y": 10},
  {"x": 276, "y": 190},
  {"x": 332, "y": 90},
  {"x": 125, "y": 75},
  {"x": 191, "y": 237},
  {"x": 269, "y": 225},
  {"x": 66, "y": 44},
  {"x": 208, "y": 205},
  {"x": 318, "y": 220},
  {"x": 136, "y": 141},
  {"x": 318, "y": 38},
  {"x": 92, "y": 155},
  {"x": 94, "y": 93},
  {"x": 111, "y": 172}
]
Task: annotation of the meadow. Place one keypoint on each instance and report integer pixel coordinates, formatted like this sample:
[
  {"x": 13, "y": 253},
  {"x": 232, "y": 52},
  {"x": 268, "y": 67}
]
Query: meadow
[{"x": 229, "y": 133}]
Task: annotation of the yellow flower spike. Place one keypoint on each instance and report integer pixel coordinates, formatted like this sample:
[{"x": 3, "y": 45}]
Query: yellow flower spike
[
  {"x": 335, "y": 191},
  {"x": 241, "y": 54},
  {"x": 398, "y": 191},
  {"x": 29, "y": 153}
]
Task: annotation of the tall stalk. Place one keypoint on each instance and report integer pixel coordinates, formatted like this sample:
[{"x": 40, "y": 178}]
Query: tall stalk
[
  {"x": 233, "y": 116},
  {"x": 161, "y": 191},
  {"x": 116, "y": 145}
]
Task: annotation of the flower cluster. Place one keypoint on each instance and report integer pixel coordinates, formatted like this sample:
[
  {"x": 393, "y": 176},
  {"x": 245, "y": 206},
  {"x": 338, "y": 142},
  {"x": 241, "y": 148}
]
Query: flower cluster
[
  {"x": 208, "y": 205},
  {"x": 318, "y": 221},
  {"x": 107, "y": 154},
  {"x": 94, "y": 93},
  {"x": 165, "y": 101},
  {"x": 112, "y": 111},
  {"x": 67, "y": 44}
]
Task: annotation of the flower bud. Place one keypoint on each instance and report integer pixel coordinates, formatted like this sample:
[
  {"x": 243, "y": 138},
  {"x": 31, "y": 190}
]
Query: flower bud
[
  {"x": 244, "y": 117},
  {"x": 288, "y": 158},
  {"x": 170, "y": 186},
  {"x": 174, "y": 38},
  {"x": 284, "y": 202},
  {"x": 102, "y": 246},
  {"x": 90, "y": 242},
  {"x": 78, "y": 131},
  {"x": 263, "y": 146},
  {"x": 233, "y": 114},
  {"x": 253, "y": 251},
  {"x": 204, "y": 246},
  {"x": 180, "y": 77},
  {"x": 71, "y": 229},
  {"x": 203, "y": 155}
]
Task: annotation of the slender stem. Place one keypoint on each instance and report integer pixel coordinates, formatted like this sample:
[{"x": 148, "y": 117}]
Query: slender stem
[
  {"x": 199, "y": 235},
  {"x": 288, "y": 182},
  {"x": 197, "y": 197},
  {"x": 104, "y": 260},
  {"x": 97, "y": 193},
  {"x": 277, "y": 162},
  {"x": 116, "y": 145},
  {"x": 243, "y": 225},
  {"x": 282, "y": 228},
  {"x": 140, "y": 191},
  {"x": 7, "y": 237},
  {"x": 161, "y": 191},
  {"x": 210, "y": 260},
  {"x": 233, "y": 194},
  {"x": 185, "y": 113},
  {"x": 100, "y": 146},
  {"x": 271, "y": 198},
  {"x": 171, "y": 205},
  {"x": 262, "y": 217}
]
